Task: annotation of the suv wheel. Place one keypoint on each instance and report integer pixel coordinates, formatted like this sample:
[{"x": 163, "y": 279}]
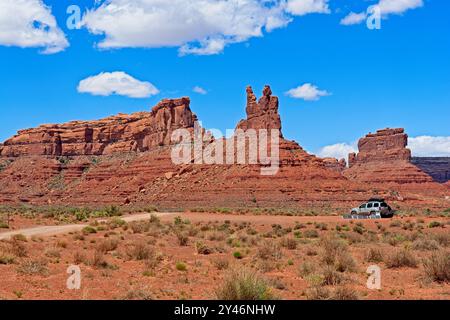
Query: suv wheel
[{"x": 353, "y": 212}]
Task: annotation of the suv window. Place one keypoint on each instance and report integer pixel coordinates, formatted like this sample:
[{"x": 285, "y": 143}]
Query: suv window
[
  {"x": 376, "y": 205},
  {"x": 369, "y": 205},
  {"x": 384, "y": 205},
  {"x": 363, "y": 206}
]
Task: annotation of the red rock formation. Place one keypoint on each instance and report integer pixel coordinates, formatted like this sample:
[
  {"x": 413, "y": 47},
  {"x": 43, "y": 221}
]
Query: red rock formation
[
  {"x": 99, "y": 169},
  {"x": 122, "y": 133},
  {"x": 385, "y": 145},
  {"x": 384, "y": 158},
  {"x": 262, "y": 114},
  {"x": 335, "y": 164}
]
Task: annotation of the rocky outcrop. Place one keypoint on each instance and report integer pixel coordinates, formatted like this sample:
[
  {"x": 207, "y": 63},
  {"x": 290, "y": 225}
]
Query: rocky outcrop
[
  {"x": 262, "y": 114},
  {"x": 384, "y": 158},
  {"x": 122, "y": 133},
  {"x": 385, "y": 145},
  {"x": 437, "y": 167},
  {"x": 335, "y": 164}
]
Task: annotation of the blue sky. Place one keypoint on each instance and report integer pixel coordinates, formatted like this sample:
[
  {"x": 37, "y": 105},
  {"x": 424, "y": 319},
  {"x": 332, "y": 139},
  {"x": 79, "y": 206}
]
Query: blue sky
[{"x": 398, "y": 76}]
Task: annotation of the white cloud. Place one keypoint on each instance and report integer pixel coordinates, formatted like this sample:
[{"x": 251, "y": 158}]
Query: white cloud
[
  {"x": 199, "y": 90},
  {"x": 303, "y": 7},
  {"x": 201, "y": 27},
  {"x": 398, "y": 6},
  {"x": 119, "y": 83},
  {"x": 424, "y": 146},
  {"x": 338, "y": 150},
  {"x": 30, "y": 24},
  {"x": 353, "y": 18},
  {"x": 386, "y": 7},
  {"x": 307, "y": 92}
]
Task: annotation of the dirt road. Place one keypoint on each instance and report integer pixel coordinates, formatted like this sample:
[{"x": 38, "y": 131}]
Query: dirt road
[{"x": 55, "y": 230}]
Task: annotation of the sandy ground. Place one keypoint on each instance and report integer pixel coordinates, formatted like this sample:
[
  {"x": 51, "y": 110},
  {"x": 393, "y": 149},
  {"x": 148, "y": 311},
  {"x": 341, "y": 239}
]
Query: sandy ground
[{"x": 125, "y": 278}]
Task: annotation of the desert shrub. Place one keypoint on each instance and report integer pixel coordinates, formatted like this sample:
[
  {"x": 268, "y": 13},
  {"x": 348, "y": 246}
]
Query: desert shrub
[
  {"x": 443, "y": 239},
  {"x": 238, "y": 255},
  {"x": 108, "y": 245},
  {"x": 88, "y": 230},
  {"x": 269, "y": 250},
  {"x": 116, "y": 223},
  {"x": 216, "y": 236},
  {"x": 79, "y": 257},
  {"x": 332, "y": 247},
  {"x": 182, "y": 238},
  {"x": 435, "y": 224},
  {"x": 203, "y": 248},
  {"x": 318, "y": 293},
  {"x": 395, "y": 224},
  {"x": 401, "y": 258},
  {"x": 33, "y": 267},
  {"x": 142, "y": 293},
  {"x": 310, "y": 251},
  {"x": 437, "y": 267},
  {"x": 311, "y": 233},
  {"x": 374, "y": 255},
  {"x": 6, "y": 258},
  {"x": 359, "y": 229},
  {"x": 139, "y": 226},
  {"x": 344, "y": 293},
  {"x": 331, "y": 276},
  {"x": 244, "y": 284},
  {"x": 15, "y": 247},
  {"x": 99, "y": 260},
  {"x": 345, "y": 262},
  {"x": 181, "y": 266},
  {"x": 289, "y": 243},
  {"x": 221, "y": 263},
  {"x": 394, "y": 239},
  {"x": 52, "y": 252},
  {"x": 425, "y": 244},
  {"x": 306, "y": 269},
  {"x": 139, "y": 251}
]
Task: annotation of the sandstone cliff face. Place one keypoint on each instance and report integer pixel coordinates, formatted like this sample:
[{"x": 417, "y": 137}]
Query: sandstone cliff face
[
  {"x": 384, "y": 158},
  {"x": 122, "y": 133}
]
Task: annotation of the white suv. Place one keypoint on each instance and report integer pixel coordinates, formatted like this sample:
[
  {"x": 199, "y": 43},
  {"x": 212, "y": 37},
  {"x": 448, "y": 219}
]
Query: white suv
[{"x": 374, "y": 207}]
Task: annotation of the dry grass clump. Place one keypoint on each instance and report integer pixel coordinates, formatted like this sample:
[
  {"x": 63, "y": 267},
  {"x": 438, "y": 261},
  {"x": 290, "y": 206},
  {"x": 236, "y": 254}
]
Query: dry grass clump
[
  {"x": 335, "y": 253},
  {"x": 182, "y": 238},
  {"x": 402, "y": 258},
  {"x": 374, "y": 255},
  {"x": 139, "y": 226},
  {"x": 52, "y": 252},
  {"x": 14, "y": 248},
  {"x": 221, "y": 263},
  {"x": 140, "y": 251},
  {"x": 324, "y": 293},
  {"x": 79, "y": 257},
  {"x": 437, "y": 267},
  {"x": 345, "y": 293},
  {"x": 425, "y": 244},
  {"x": 108, "y": 245},
  {"x": 269, "y": 250},
  {"x": 33, "y": 267},
  {"x": 244, "y": 284},
  {"x": 141, "y": 293},
  {"x": 289, "y": 243},
  {"x": 203, "y": 248},
  {"x": 306, "y": 269}
]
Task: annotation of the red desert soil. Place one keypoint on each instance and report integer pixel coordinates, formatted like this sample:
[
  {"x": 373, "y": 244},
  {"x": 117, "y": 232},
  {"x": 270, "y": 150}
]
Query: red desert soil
[{"x": 190, "y": 256}]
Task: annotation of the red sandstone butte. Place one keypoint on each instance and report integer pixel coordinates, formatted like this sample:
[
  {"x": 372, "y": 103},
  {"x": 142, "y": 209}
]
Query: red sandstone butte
[
  {"x": 137, "y": 132},
  {"x": 384, "y": 157}
]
